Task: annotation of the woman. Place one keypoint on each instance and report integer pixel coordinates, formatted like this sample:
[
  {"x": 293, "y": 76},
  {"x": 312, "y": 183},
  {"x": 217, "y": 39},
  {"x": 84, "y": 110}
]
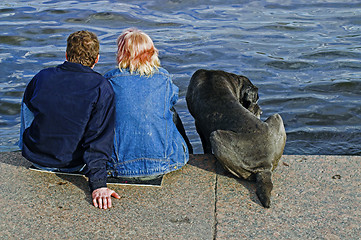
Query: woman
[{"x": 147, "y": 143}]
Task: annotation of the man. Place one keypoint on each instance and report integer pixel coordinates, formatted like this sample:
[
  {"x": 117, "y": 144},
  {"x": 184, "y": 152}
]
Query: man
[{"x": 71, "y": 124}]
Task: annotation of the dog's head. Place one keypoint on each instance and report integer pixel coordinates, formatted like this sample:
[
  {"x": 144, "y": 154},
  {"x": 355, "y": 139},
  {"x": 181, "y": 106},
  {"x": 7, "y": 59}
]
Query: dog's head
[{"x": 249, "y": 97}]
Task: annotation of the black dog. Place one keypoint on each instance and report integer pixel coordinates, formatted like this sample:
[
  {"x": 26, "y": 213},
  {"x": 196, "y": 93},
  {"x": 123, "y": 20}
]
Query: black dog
[{"x": 224, "y": 106}]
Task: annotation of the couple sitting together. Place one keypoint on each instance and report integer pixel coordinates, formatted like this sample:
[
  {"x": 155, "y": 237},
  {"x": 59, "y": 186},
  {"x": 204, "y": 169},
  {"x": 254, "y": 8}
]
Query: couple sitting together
[{"x": 122, "y": 124}]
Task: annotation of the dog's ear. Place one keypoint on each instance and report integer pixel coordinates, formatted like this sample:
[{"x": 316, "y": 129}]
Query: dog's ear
[{"x": 256, "y": 110}]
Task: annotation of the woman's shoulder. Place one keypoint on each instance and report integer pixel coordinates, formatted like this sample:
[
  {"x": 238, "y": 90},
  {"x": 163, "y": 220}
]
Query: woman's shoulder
[
  {"x": 162, "y": 71},
  {"x": 116, "y": 72},
  {"x": 111, "y": 73}
]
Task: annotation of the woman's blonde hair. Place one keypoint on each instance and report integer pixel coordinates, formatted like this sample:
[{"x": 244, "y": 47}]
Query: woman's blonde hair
[{"x": 136, "y": 51}]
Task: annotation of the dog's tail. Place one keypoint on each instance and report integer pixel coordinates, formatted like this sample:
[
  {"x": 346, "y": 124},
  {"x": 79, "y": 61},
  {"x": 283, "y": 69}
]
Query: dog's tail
[{"x": 264, "y": 187}]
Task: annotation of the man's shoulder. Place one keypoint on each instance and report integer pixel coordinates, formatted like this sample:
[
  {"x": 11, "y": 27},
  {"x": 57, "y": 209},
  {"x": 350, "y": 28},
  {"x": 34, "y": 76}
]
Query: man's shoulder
[
  {"x": 45, "y": 71},
  {"x": 107, "y": 86}
]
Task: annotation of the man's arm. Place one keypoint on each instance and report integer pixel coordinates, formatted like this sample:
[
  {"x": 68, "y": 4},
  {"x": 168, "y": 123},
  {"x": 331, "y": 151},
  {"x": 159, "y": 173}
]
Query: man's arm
[{"x": 98, "y": 144}]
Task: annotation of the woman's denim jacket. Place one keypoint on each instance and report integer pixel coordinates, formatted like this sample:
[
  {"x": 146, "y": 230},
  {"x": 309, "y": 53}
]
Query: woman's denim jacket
[{"x": 146, "y": 141}]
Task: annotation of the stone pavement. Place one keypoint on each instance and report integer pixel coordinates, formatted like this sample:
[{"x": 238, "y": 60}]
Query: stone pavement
[{"x": 314, "y": 197}]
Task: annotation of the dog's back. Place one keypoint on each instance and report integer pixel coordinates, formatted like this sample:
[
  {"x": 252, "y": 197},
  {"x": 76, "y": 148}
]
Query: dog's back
[
  {"x": 216, "y": 87},
  {"x": 219, "y": 100}
]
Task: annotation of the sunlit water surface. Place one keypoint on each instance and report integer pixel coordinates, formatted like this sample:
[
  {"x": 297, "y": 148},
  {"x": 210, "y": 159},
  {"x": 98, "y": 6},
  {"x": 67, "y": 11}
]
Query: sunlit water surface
[{"x": 303, "y": 55}]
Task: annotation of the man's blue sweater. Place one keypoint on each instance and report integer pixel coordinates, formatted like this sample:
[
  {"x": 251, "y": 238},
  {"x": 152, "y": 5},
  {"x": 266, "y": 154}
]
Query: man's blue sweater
[{"x": 73, "y": 124}]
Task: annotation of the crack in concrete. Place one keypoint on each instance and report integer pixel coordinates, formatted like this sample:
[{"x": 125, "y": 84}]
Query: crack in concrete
[{"x": 215, "y": 208}]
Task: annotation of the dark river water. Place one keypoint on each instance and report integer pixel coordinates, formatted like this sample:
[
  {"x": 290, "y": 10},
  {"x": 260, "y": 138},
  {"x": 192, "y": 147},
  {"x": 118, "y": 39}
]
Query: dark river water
[{"x": 304, "y": 56}]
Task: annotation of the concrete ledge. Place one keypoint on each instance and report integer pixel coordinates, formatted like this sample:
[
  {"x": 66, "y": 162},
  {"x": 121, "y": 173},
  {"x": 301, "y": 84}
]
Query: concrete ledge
[{"x": 314, "y": 197}]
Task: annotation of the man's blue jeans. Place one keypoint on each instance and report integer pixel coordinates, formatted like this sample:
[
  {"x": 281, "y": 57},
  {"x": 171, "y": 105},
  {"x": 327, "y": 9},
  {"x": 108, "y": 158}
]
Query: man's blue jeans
[{"x": 26, "y": 117}]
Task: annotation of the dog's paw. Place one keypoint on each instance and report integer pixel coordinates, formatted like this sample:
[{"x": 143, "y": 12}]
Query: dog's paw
[{"x": 264, "y": 187}]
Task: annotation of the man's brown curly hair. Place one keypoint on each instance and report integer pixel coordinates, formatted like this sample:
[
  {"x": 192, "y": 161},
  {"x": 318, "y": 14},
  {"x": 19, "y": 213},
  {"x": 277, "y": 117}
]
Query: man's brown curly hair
[{"x": 82, "y": 47}]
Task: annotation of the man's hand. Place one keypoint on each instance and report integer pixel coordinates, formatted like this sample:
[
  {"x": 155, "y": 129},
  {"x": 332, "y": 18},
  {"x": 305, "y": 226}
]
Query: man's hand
[{"x": 102, "y": 197}]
